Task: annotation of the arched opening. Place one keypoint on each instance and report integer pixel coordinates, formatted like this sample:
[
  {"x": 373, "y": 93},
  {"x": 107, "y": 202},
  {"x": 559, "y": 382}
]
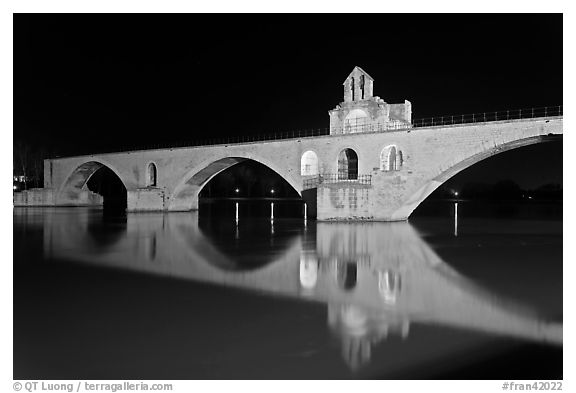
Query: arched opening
[
  {"x": 347, "y": 165},
  {"x": 247, "y": 178},
  {"x": 254, "y": 186},
  {"x": 506, "y": 182},
  {"x": 93, "y": 184},
  {"x": 391, "y": 158},
  {"x": 356, "y": 121},
  {"x": 107, "y": 184},
  {"x": 152, "y": 175},
  {"x": 309, "y": 164},
  {"x": 352, "y": 88}
]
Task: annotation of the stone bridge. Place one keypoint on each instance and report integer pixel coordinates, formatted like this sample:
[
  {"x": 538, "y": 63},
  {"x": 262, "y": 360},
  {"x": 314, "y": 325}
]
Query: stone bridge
[{"x": 373, "y": 166}]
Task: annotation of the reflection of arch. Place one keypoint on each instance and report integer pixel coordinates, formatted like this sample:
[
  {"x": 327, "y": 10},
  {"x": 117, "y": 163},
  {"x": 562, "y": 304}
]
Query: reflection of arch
[
  {"x": 184, "y": 252},
  {"x": 354, "y": 319},
  {"x": 309, "y": 164},
  {"x": 152, "y": 174},
  {"x": 185, "y": 194},
  {"x": 424, "y": 191},
  {"x": 346, "y": 274},
  {"x": 352, "y": 324},
  {"x": 77, "y": 180},
  {"x": 347, "y": 165},
  {"x": 389, "y": 285},
  {"x": 391, "y": 158},
  {"x": 220, "y": 249},
  {"x": 308, "y": 270}
]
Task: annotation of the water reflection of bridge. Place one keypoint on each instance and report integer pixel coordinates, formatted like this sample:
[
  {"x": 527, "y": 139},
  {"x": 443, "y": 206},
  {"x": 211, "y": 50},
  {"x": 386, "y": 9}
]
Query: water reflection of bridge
[{"x": 376, "y": 278}]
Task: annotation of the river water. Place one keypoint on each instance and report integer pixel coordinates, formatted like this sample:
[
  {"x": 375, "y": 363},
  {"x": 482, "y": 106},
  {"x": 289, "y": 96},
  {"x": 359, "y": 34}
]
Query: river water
[{"x": 99, "y": 295}]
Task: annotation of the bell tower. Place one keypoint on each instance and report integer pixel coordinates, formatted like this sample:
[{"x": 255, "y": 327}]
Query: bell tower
[
  {"x": 361, "y": 111},
  {"x": 358, "y": 86}
]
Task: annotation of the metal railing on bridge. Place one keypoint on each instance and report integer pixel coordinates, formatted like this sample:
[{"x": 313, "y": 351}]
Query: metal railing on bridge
[
  {"x": 332, "y": 178},
  {"x": 362, "y": 125},
  {"x": 447, "y": 120},
  {"x": 516, "y": 114}
]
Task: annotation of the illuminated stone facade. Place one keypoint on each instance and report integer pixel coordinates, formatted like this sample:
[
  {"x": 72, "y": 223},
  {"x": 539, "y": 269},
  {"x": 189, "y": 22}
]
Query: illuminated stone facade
[{"x": 361, "y": 111}]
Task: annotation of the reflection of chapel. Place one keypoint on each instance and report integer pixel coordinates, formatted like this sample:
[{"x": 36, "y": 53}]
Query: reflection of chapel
[{"x": 363, "y": 112}]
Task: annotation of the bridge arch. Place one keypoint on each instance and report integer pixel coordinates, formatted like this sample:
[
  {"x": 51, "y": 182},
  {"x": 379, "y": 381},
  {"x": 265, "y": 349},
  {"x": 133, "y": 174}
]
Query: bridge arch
[
  {"x": 74, "y": 190},
  {"x": 185, "y": 194},
  {"x": 414, "y": 200}
]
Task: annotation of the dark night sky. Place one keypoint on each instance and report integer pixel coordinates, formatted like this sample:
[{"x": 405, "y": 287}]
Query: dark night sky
[{"x": 84, "y": 83}]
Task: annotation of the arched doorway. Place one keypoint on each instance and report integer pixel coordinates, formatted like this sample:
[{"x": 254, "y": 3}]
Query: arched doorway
[{"x": 347, "y": 165}]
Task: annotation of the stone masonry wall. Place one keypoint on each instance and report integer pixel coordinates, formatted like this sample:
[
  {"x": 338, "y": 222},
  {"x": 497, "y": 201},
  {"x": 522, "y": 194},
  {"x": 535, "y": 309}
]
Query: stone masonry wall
[
  {"x": 342, "y": 201},
  {"x": 145, "y": 199}
]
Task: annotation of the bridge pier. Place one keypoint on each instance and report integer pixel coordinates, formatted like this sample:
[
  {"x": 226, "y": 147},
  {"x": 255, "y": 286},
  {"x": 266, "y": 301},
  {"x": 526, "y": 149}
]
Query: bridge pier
[
  {"x": 310, "y": 197},
  {"x": 49, "y": 197},
  {"x": 145, "y": 199},
  {"x": 34, "y": 197},
  {"x": 186, "y": 200},
  {"x": 344, "y": 201},
  {"x": 379, "y": 196}
]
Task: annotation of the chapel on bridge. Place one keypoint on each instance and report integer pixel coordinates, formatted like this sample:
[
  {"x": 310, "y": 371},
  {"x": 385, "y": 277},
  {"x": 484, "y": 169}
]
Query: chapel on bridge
[{"x": 361, "y": 111}]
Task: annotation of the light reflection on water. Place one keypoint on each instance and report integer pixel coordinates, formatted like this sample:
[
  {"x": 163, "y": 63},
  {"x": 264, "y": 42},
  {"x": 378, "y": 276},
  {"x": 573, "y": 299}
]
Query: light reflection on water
[{"x": 376, "y": 280}]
